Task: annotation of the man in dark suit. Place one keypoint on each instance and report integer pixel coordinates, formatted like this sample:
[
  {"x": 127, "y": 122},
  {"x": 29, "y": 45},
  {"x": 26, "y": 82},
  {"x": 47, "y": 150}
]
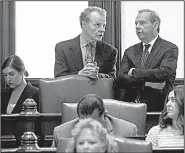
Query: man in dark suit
[
  {"x": 148, "y": 69},
  {"x": 92, "y": 106},
  {"x": 87, "y": 54}
]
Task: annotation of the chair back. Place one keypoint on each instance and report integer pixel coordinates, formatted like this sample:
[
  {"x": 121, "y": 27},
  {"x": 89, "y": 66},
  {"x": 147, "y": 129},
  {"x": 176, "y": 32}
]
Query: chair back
[
  {"x": 125, "y": 145},
  {"x": 70, "y": 89},
  {"x": 128, "y": 145},
  {"x": 131, "y": 112}
]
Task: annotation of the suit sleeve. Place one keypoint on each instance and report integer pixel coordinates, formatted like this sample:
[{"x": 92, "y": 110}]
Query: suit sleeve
[
  {"x": 166, "y": 68},
  {"x": 123, "y": 79},
  {"x": 60, "y": 62},
  {"x": 111, "y": 67}
]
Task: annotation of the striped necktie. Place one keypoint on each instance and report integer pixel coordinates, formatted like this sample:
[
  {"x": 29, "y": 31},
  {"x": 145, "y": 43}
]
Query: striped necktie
[{"x": 145, "y": 55}]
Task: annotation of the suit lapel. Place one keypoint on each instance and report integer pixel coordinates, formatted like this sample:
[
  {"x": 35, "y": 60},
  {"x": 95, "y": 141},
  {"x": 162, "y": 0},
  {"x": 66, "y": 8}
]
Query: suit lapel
[
  {"x": 155, "y": 49},
  {"x": 138, "y": 53},
  {"x": 76, "y": 54},
  {"x": 24, "y": 94}
]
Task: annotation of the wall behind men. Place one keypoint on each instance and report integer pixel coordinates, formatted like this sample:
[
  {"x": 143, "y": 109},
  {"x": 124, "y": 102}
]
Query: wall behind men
[
  {"x": 39, "y": 26},
  {"x": 172, "y": 24}
]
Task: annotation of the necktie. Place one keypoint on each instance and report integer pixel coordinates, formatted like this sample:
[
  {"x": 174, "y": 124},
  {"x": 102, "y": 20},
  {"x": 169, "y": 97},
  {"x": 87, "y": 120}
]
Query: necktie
[
  {"x": 89, "y": 56},
  {"x": 145, "y": 55},
  {"x": 143, "y": 61}
]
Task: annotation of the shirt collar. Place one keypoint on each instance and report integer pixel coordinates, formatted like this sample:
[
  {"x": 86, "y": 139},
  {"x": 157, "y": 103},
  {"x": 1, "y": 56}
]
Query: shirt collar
[
  {"x": 84, "y": 42},
  {"x": 152, "y": 42}
]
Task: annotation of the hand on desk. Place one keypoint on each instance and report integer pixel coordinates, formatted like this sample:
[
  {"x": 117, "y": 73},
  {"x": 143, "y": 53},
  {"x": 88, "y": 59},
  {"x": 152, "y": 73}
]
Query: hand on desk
[{"x": 158, "y": 85}]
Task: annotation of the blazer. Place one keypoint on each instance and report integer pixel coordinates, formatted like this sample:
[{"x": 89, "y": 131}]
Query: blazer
[
  {"x": 160, "y": 66},
  {"x": 116, "y": 127},
  {"x": 28, "y": 92},
  {"x": 68, "y": 58}
]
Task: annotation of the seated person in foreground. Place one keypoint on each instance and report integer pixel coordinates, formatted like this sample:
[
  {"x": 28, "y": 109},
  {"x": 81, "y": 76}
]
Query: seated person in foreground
[
  {"x": 17, "y": 90},
  {"x": 90, "y": 136},
  {"x": 92, "y": 106},
  {"x": 87, "y": 54},
  {"x": 170, "y": 131}
]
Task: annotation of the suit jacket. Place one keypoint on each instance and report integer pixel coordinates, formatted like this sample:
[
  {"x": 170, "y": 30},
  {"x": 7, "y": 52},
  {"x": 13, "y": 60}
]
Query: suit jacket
[
  {"x": 28, "y": 92},
  {"x": 68, "y": 58},
  {"x": 116, "y": 127},
  {"x": 160, "y": 66}
]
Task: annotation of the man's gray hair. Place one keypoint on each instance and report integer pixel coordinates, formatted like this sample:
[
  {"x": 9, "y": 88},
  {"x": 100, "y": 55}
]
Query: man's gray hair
[
  {"x": 84, "y": 16},
  {"x": 154, "y": 17}
]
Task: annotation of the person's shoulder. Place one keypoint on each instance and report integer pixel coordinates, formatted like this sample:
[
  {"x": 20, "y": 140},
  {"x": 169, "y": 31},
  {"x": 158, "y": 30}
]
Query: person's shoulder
[
  {"x": 68, "y": 42},
  {"x": 66, "y": 126},
  {"x": 169, "y": 43},
  {"x": 107, "y": 45},
  {"x": 133, "y": 47},
  {"x": 121, "y": 121},
  {"x": 154, "y": 129}
]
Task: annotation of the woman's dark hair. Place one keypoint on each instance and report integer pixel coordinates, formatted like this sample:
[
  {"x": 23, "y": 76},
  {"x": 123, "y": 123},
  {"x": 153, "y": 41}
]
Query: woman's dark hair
[
  {"x": 15, "y": 62},
  {"x": 179, "y": 99}
]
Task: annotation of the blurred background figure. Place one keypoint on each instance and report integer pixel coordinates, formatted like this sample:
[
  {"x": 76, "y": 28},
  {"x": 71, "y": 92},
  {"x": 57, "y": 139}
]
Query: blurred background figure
[
  {"x": 17, "y": 90},
  {"x": 90, "y": 136},
  {"x": 170, "y": 131}
]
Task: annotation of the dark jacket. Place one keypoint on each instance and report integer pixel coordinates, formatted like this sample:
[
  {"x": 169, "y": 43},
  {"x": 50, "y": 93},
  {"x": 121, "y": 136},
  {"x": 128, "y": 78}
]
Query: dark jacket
[
  {"x": 68, "y": 58},
  {"x": 28, "y": 92}
]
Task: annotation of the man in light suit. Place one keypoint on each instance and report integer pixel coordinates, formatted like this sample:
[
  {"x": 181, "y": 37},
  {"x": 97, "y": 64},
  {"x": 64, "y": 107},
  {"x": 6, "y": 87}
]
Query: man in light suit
[
  {"x": 148, "y": 74},
  {"x": 93, "y": 106},
  {"x": 71, "y": 55}
]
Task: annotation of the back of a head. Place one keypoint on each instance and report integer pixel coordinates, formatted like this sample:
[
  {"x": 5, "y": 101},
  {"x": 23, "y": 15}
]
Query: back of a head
[
  {"x": 89, "y": 103},
  {"x": 15, "y": 62}
]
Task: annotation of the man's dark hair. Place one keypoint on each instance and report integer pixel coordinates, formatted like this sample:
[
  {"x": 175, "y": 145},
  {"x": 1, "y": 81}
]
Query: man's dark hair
[{"x": 89, "y": 103}]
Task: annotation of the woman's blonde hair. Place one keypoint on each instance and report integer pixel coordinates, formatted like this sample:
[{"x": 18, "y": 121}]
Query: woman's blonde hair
[{"x": 97, "y": 128}]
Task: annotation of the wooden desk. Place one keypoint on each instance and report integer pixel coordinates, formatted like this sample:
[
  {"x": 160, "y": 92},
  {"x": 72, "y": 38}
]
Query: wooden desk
[
  {"x": 13, "y": 126},
  {"x": 53, "y": 150},
  {"x": 42, "y": 150},
  {"x": 168, "y": 150}
]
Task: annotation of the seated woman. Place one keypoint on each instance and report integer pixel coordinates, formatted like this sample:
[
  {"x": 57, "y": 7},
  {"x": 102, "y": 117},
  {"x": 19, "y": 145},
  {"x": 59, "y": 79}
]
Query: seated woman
[
  {"x": 90, "y": 136},
  {"x": 170, "y": 131},
  {"x": 17, "y": 90}
]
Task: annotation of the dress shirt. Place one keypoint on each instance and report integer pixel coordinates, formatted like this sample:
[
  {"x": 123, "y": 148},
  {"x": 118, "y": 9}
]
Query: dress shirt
[{"x": 151, "y": 44}]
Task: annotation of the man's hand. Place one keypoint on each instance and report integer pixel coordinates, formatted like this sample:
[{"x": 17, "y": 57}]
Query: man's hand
[
  {"x": 130, "y": 71},
  {"x": 90, "y": 70}
]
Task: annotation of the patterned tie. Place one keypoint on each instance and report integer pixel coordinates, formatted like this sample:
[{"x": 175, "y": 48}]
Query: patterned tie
[
  {"x": 143, "y": 61},
  {"x": 89, "y": 56},
  {"x": 145, "y": 55}
]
